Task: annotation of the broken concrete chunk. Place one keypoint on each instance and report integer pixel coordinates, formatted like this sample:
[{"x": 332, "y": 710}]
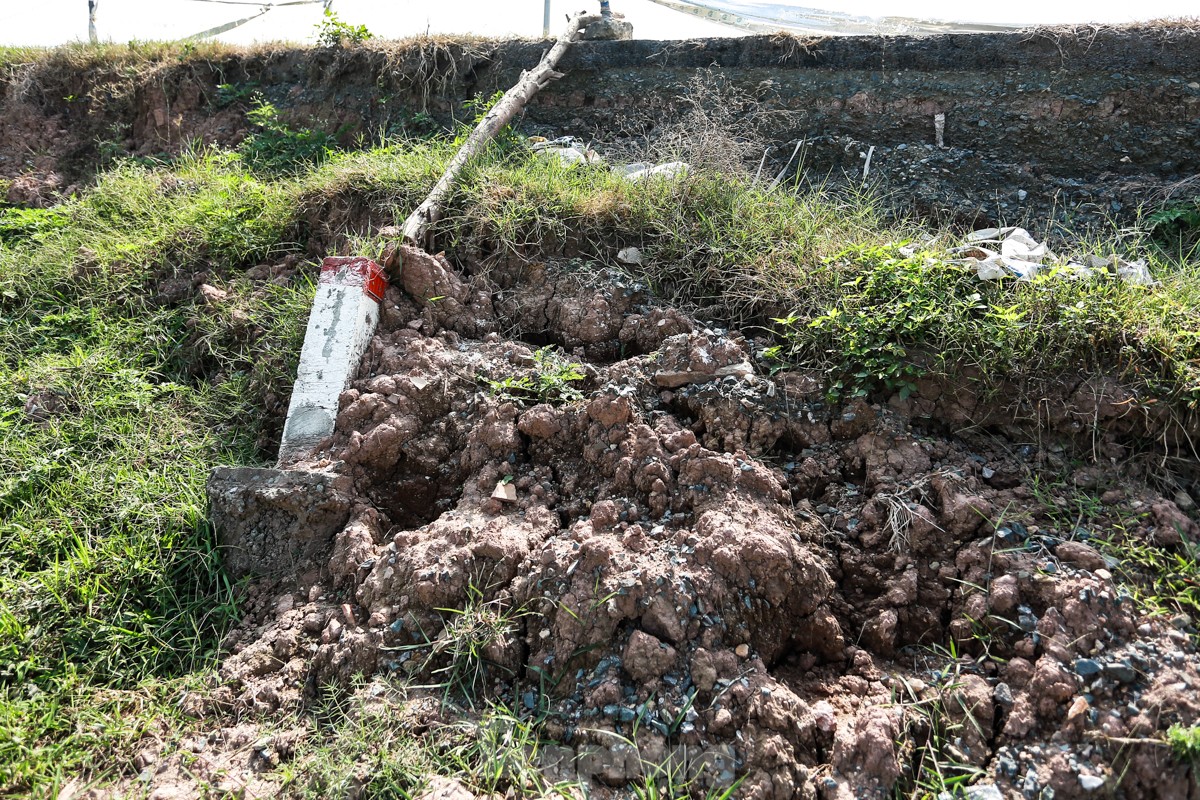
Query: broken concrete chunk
[{"x": 276, "y": 522}]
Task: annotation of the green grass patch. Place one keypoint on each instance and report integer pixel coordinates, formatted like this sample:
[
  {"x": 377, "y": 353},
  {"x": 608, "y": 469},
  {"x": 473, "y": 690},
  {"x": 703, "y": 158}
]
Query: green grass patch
[
  {"x": 357, "y": 744},
  {"x": 114, "y": 405},
  {"x": 1185, "y": 743},
  {"x": 1164, "y": 581}
]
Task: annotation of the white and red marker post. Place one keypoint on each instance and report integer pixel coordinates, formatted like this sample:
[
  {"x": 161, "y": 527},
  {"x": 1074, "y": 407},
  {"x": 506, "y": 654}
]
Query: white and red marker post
[{"x": 344, "y": 314}]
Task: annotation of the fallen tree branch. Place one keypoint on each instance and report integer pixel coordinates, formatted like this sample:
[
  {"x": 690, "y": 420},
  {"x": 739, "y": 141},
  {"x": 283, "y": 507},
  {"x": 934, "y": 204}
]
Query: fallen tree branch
[{"x": 416, "y": 228}]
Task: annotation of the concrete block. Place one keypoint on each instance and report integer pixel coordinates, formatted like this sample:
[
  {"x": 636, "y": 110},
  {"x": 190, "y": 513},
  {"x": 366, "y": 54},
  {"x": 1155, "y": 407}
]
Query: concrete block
[{"x": 274, "y": 522}]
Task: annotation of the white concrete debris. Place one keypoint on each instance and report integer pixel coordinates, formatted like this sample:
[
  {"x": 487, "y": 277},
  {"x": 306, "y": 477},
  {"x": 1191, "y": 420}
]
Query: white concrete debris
[
  {"x": 344, "y": 314},
  {"x": 1012, "y": 253}
]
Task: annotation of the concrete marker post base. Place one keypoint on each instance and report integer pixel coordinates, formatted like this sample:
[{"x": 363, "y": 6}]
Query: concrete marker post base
[{"x": 344, "y": 314}]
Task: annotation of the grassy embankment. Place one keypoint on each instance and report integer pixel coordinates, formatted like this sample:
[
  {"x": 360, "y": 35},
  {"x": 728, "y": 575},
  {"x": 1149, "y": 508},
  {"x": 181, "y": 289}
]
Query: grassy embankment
[{"x": 116, "y": 397}]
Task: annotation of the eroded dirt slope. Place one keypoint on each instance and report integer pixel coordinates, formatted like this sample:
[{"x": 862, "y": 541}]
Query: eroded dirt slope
[{"x": 824, "y": 596}]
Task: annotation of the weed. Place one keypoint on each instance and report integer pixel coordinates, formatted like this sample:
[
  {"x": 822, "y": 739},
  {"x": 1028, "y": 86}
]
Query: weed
[
  {"x": 356, "y": 746},
  {"x": 1065, "y": 504},
  {"x": 462, "y": 654},
  {"x": 896, "y": 308},
  {"x": 680, "y": 776},
  {"x": 506, "y": 141},
  {"x": 718, "y": 130},
  {"x": 229, "y": 94},
  {"x": 16, "y": 223},
  {"x": 360, "y": 748},
  {"x": 332, "y": 32},
  {"x": 1163, "y": 581},
  {"x": 501, "y": 751},
  {"x": 277, "y": 148},
  {"x": 1177, "y": 225},
  {"x": 1185, "y": 743},
  {"x": 113, "y": 408},
  {"x": 901, "y": 507},
  {"x": 935, "y": 766},
  {"x": 550, "y": 382}
]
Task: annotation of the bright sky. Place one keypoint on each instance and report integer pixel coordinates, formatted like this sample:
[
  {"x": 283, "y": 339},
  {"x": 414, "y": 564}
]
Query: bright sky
[{"x": 48, "y": 22}]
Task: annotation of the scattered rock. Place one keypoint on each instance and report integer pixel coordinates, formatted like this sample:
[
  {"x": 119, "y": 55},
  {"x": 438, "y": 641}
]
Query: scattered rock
[
  {"x": 212, "y": 295},
  {"x": 1080, "y": 555}
]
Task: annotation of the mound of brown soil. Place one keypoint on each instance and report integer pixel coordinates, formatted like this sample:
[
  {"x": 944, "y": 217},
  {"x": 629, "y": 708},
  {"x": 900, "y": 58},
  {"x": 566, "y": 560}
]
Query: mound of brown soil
[{"x": 824, "y": 599}]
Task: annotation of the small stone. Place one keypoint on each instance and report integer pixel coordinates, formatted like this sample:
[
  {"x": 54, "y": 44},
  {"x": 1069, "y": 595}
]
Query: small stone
[
  {"x": 824, "y": 716},
  {"x": 1087, "y": 667},
  {"x": 1002, "y": 694},
  {"x": 1078, "y": 554},
  {"x": 1103, "y": 574},
  {"x": 212, "y": 295},
  {"x": 1078, "y": 708},
  {"x": 1144, "y": 629},
  {"x": 1120, "y": 671},
  {"x": 1030, "y": 785},
  {"x": 984, "y": 791},
  {"x": 1090, "y": 783},
  {"x": 742, "y": 650}
]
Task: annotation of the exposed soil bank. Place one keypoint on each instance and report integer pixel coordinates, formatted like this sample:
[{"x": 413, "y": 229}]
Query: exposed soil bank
[
  {"x": 1044, "y": 124},
  {"x": 707, "y": 556}
]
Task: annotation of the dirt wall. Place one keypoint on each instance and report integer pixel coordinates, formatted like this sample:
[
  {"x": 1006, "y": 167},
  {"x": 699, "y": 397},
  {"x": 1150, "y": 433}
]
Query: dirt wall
[{"x": 1039, "y": 124}]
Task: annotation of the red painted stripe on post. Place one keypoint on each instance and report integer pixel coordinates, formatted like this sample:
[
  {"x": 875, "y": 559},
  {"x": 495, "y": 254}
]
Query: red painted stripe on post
[{"x": 355, "y": 271}]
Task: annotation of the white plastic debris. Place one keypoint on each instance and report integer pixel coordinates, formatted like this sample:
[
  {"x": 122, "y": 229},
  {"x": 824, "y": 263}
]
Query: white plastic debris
[
  {"x": 570, "y": 150},
  {"x": 1012, "y": 253},
  {"x": 629, "y": 169},
  {"x": 671, "y": 169},
  {"x": 630, "y": 256}
]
